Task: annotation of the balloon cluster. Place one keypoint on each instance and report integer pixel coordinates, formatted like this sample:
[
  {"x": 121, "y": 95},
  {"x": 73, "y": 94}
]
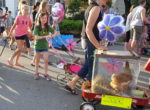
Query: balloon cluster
[{"x": 58, "y": 12}]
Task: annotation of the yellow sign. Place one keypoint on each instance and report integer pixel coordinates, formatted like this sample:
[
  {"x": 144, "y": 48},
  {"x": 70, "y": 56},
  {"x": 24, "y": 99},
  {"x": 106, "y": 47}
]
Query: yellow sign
[{"x": 121, "y": 102}]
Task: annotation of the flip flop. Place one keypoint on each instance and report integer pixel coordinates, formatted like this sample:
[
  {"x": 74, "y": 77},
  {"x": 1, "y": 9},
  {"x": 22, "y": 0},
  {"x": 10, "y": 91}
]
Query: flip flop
[
  {"x": 72, "y": 91},
  {"x": 32, "y": 64},
  {"x": 10, "y": 63}
]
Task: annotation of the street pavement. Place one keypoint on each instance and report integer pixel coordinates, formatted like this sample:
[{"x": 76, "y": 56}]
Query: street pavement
[{"x": 19, "y": 91}]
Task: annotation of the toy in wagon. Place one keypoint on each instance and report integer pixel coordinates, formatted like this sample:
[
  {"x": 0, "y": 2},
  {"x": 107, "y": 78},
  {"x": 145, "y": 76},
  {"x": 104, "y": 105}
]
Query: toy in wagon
[{"x": 115, "y": 72}]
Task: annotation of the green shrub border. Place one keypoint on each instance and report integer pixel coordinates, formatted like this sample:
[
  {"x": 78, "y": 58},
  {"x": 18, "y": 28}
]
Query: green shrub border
[{"x": 71, "y": 27}]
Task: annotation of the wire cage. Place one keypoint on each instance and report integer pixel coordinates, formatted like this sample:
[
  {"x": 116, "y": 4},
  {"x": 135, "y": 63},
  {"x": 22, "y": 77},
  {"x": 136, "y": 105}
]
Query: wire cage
[{"x": 115, "y": 73}]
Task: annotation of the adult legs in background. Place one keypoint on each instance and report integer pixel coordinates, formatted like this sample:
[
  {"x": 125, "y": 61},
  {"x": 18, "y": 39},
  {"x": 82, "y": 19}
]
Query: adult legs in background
[
  {"x": 127, "y": 44},
  {"x": 134, "y": 41}
]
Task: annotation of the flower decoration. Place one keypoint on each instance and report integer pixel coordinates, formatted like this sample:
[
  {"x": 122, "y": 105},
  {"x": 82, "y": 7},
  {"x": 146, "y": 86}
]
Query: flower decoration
[
  {"x": 111, "y": 27},
  {"x": 112, "y": 65},
  {"x": 58, "y": 12},
  {"x": 71, "y": 44}
]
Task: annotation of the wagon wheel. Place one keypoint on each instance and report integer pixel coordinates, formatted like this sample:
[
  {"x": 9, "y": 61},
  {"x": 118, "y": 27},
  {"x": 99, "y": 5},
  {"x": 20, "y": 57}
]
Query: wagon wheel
[
  {"x": 94, "y": 102},
  {"x": 87, "y": 106},
  {"x": 138, "y": 107}
]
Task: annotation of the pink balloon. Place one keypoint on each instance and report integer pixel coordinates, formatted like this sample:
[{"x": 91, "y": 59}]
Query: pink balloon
[{"x": 58, "y": 12}]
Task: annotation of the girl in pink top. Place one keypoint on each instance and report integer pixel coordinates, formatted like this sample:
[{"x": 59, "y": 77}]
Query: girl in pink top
[{"x": 21, "y": 25}]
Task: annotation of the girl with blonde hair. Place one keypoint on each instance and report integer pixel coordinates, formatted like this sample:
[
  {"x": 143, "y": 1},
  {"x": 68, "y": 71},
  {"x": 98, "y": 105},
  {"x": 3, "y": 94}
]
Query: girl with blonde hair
[{"x": 21, "y": 25}]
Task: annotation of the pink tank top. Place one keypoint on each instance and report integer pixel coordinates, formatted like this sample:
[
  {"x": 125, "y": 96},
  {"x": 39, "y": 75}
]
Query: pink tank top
[{"x": 22, "y": 25}]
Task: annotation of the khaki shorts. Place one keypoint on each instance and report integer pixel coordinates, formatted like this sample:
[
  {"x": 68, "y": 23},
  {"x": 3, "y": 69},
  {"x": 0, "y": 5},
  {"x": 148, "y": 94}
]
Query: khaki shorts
[{"x": 136, "y": 32}]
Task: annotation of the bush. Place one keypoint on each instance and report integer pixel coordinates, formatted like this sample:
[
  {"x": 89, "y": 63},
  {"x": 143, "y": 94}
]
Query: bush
[
  {"x": 79, "y": 16},
  {"x": 76, "y": 16},
  {"x": 71, "y": 26},
  {"x": 74, "y": 6}
]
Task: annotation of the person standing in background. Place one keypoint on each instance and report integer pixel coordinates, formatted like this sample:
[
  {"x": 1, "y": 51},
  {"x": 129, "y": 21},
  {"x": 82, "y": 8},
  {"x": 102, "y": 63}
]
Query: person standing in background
[
  {"x": 21, "y": 26},
  {"x": 138, "y": 19},
  {"x": 34, "y": 12},
  {"x": 128, "y": 29}
]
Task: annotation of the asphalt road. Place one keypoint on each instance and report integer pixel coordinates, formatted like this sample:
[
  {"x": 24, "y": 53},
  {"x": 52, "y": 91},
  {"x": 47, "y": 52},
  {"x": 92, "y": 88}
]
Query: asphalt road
[{"x": 19, "y": 91}]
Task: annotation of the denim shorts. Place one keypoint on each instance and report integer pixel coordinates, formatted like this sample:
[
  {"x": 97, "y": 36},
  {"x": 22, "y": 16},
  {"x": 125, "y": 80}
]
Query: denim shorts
[{"x": 41, "y": 50}]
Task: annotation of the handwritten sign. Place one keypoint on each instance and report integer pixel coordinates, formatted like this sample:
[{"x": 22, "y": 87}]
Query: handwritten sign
[{"x": 121, "y": 102}]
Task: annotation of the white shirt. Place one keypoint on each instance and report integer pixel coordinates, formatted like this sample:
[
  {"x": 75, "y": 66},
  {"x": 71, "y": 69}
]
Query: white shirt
[
  {"x": 128, "y": 21},
  {"x": 136, "y": 19}
]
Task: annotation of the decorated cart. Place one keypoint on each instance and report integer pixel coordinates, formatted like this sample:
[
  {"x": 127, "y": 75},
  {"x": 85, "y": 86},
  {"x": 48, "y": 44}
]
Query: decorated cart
[{"x": 114, "y": 81}]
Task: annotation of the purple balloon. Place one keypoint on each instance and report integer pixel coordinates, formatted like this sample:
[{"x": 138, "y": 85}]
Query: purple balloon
[
  {"x": 107, "y": 19},
  {"x": 110, "y": 36},
  {"x": 111, "y": 27},
  {"x": 115, "y": 20},
  {"x": 102, "y": 34},
  {"x": 117, "y": 30}
]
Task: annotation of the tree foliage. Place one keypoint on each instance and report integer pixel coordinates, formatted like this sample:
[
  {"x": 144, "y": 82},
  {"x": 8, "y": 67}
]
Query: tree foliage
[
  {"x": 135, "y": 2},
  {"x": 74, "y": 6}
]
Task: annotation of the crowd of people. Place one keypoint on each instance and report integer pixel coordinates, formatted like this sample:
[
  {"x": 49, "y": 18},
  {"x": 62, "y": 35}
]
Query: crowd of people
[
  {"x": 26, "y": 27},
  {"x": 41, "y": 27}
]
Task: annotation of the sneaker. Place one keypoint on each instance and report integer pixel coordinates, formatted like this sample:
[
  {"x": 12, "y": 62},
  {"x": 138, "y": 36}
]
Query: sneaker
[
  {"x": 47, "y": 77},
  {"x": 36, "y": 77}
]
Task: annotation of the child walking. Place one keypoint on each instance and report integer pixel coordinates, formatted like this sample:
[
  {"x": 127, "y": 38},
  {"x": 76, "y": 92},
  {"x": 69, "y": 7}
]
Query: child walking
[
  {"x": 43, "y": 8},
  {"x": 21, "y": 25},
  {"x": 41, "y": 33}
]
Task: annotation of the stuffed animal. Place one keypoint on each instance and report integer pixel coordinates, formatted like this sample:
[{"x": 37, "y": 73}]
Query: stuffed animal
[
  {"x": 122, "y": 80},
  {"x": 86, "y": 85}
]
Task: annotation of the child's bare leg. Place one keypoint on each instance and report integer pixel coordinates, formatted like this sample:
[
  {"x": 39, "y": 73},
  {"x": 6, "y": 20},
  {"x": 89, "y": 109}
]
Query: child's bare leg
[
  {"x": 19, "y": 53},
  {"x": 11, "y": 42},
  {"x": 37, "y": 60},
  {"x": 33, "y": 59},
  {"x": 45, "y": 55}
]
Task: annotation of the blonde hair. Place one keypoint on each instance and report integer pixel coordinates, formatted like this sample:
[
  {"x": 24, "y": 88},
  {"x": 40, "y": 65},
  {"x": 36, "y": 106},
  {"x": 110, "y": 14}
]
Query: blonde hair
[
  {"x": 132, "y": 7},
  {"x": 22, "y": 2},
  {"x": 90, "y": 1},
  {"x": 42, "y": 7}
]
